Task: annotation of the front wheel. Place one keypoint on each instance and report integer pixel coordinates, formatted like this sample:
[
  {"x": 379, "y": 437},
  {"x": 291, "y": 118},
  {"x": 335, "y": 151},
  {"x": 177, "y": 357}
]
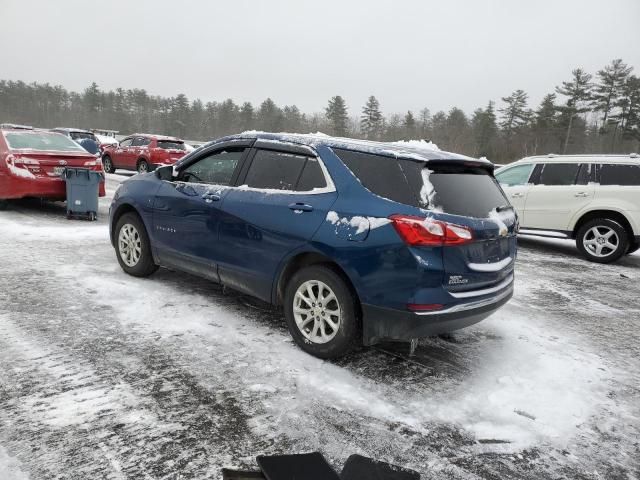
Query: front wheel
[
  {"x": 633, "y": 247},
  {"x": 321, "y": 312},
  {"x": 107, "y": 164},
  {"x": 133, "y": 248},
  {"x": 602, "y": 240}
]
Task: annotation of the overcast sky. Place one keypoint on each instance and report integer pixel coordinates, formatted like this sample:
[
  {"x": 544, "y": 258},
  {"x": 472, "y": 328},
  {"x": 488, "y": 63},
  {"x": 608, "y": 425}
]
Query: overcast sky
[{"x": 411, "y": 54}]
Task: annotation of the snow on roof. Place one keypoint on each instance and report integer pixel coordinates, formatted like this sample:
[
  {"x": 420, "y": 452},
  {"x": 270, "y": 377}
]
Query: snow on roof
[
  {"x": 156, "y": 137},
  {"x": 414, "y": 149}
]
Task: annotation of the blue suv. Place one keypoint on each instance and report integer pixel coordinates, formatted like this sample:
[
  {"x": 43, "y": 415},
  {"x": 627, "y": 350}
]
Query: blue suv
[{"x": 358, "y": 241}]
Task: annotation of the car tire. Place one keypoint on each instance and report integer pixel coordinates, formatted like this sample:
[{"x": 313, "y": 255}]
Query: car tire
[
  {"x": 133, "y": 248},
  {"x": 324, "y": 331},
  {"x": 107, "y": 164},
  {"x": 143, "y": 166},
  {"x": 633, "y": 247},
  {"x": 602, "y": 240},
  {"x": 3, "y": 204}
]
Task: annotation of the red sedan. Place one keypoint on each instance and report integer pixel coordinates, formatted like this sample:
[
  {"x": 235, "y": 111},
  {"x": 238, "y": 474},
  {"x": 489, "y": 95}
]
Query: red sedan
[
  {"x": 31, "y": 162},
  {"x": 143, "y": 152}
]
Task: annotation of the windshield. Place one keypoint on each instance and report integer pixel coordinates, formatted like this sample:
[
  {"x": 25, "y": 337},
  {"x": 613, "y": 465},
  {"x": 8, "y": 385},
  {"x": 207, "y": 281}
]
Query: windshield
[
  {"x": 43, "y": 141},
  {"x": 170, "y": 145}
]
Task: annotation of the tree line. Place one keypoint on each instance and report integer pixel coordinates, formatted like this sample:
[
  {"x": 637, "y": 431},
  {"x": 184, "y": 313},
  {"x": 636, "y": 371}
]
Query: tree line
[{"x": 585, "y": 114}]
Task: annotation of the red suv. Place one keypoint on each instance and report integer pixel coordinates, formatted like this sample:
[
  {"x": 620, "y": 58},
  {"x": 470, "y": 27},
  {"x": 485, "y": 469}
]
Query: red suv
[
  {"x": 31, "y": 162},
  {"x": 143, "y": 153}
]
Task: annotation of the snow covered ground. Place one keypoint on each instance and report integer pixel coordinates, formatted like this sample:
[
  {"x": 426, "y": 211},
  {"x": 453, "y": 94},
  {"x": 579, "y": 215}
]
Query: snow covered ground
[{"x": 106, "y": 376}]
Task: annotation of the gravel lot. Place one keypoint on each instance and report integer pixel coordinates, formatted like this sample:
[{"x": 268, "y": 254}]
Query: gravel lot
[{"x": 106, "y": 376}]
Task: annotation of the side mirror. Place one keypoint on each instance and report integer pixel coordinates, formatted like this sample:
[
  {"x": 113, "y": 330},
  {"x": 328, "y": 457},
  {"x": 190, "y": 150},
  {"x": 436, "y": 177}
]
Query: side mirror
[{"x": 165, "y": 173}]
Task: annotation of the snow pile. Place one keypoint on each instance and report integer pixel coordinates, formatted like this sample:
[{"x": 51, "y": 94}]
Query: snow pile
[
  {"x": 427, "y": 191},
  {"x": 10, "y": 467},
  {"x": 418, "y": 144},
  {"x": 361, "y": 224},
  {"x": 107, "y": 140}
]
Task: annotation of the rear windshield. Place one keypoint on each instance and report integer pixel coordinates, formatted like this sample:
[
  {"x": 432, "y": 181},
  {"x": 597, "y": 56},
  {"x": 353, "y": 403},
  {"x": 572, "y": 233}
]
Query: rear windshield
[
  {"x": 446, "y": 186},
  {"x": 43, "y": 141},
  {"x": 82, "y": 135},
  {"x": 455, "y": 189},
  {"x": 168, "y": 145}
]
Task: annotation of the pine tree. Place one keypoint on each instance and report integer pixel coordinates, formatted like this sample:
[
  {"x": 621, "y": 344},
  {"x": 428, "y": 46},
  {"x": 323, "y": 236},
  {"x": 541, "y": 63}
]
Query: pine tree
[
  {"x": 578, "y": 93},
  {"x": 485, "y": 130},
  {"x": 514, "y": 114},
  {"x": 270, "y": 117},
  {"x": 337, "y": 116},
  {"x": 608, "y": 89},
  {"x": 371, "y": 119},
  {"x": 246, "y": 117},
  {"x": 409, "y": 124},
  {"x": 545, "y": 127},
  {"x": 629, "y": 108}
]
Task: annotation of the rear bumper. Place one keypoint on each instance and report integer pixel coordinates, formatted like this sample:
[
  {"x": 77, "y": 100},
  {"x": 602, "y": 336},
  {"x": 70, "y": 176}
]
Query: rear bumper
[
  {"x": 53, "y": 188},
  {"x": 381, "y": 323}
]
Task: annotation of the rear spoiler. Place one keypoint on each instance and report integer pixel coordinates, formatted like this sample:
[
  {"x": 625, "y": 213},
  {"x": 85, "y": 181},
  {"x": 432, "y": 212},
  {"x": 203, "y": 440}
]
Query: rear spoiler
[{"x": 470, "y": 163}]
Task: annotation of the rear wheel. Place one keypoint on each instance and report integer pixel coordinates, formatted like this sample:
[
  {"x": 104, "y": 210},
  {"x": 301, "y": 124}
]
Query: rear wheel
[
  {"x": 107, "y": 164},
  {"x": 143, "y": 166},
  {"x": 602, "y": 240},
  {"x": 133, "y": 248},
  {"x": 321, "y": 312}
]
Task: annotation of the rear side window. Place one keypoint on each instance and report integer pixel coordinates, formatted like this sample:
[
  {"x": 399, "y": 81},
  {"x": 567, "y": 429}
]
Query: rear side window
[
  {"x": 558, "y": 174},
  {"x": 380, "y": 175},
  {"x": 168, "y": 145},
  {"x": 42, "y": 141},
  {"x": 613, "y": 174},
  {"x": 312, "y": 176},
  {"x": 512, "y": 176},
  {"x": 275, "y": 170},
  {"x": 453, "y": 188}
]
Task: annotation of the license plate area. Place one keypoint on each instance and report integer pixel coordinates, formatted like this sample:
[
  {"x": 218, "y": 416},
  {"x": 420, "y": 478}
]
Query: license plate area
[{"x": 58, "y": 170}]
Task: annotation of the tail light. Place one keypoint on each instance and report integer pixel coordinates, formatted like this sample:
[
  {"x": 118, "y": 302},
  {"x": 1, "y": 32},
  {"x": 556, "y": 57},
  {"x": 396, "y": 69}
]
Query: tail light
[{"x": 419, "y": 231}]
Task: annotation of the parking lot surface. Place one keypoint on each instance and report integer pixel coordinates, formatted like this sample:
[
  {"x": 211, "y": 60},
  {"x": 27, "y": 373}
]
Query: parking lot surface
[{"x": 103, "y": 375}]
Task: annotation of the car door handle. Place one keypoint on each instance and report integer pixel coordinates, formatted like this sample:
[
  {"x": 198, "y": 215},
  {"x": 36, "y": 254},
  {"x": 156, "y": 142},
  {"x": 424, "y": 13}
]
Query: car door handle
[
  {"x": 211, "y": 197},
  {"x": 301, "y": 207},
  {"x": 581, "y": 194},
  {"x": 517, "y": 195}
]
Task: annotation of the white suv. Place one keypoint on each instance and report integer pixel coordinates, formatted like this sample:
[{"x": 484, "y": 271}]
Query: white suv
[{"x": 594, "y": 199}]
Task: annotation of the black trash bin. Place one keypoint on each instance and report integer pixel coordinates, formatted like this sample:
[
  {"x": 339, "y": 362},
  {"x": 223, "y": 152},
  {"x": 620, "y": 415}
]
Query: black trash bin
[{"x": 82, "y": 192}]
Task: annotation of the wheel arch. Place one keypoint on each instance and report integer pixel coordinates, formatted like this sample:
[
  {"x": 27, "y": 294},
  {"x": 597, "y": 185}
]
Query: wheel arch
[
  {"x": 119, "y": 212},
  {"x": 614, "y": 215},
  {"x": 306, "y": 259}
]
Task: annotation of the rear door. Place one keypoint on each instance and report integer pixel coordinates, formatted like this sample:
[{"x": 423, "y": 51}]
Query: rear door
[
  {"x": 471, "y": 197},
  {"x": 559, "y": 191},
  {"x": 284, "y": 197},
  {"x": 187, "y": 212}
]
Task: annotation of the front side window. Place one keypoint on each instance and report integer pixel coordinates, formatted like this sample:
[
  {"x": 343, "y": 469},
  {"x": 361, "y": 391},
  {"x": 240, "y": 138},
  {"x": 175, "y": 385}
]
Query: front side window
[
  {"x": 615, "y": 174},
  {"x": 42, "y": 141},
  {"x": 140, "y": 142},
  {"x": 275, "y": 170},
  {"x": 126, "y": 142},
  {"x": 558, "y": 174},
  {"x": 512, "y": 176},
  {"x": 215, "y": 169}
]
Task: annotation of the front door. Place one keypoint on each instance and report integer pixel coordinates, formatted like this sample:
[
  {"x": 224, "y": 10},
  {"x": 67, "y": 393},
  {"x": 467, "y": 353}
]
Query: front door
[
  {"x": 186, "y": 212},
  {"x": 284, "y": 199},
  {"x": 120, "y": 157},
  {"x": 515, "y": 183}
]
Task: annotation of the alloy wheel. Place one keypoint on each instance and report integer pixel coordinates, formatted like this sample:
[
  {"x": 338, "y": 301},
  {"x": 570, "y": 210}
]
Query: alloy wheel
[
  {"x": 316, "y": 311},
  {"x": 143, "y": 167},
  {"x": 129, "y": 245},
  {"x": 601, "y": 241}
]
